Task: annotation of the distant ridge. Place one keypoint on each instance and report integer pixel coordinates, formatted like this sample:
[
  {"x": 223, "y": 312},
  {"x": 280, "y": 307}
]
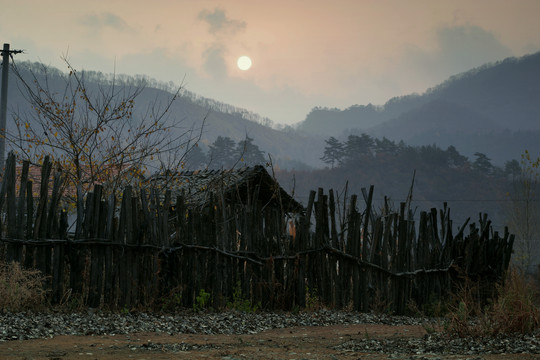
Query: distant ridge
[
  {"x": 286, "y": 146},
  {"x": 493, "y": 109}
]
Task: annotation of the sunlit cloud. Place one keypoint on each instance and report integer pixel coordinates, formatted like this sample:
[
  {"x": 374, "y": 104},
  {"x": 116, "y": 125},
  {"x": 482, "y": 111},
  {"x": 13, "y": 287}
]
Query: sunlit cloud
[
  {"x": 105, "y": 19},
  {"x": 457, "y": 49},
  {"x": 220, "y": 23},
  {"x": 214, "y": 62}
]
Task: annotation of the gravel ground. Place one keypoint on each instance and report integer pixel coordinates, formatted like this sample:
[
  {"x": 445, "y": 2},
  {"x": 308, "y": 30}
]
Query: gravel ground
[
  {"x": 23, "y": 326},
  {"x": 443, "y": 345}
]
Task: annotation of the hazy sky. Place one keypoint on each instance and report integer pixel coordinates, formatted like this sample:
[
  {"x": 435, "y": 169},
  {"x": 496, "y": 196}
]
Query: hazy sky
[{"x": 305, "y": 53}]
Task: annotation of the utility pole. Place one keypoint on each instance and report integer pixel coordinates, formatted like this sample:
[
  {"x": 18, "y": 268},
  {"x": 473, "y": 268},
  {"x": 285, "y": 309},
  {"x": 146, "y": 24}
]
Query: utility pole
[{"x": 6, "y": 53}]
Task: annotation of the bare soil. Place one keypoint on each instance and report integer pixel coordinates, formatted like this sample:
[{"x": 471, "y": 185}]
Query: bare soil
[{"x": 288, "y": 343}]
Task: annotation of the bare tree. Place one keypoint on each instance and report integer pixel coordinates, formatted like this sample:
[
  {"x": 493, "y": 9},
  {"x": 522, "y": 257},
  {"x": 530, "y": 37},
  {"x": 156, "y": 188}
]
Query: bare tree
[{"x": 96, "y": 133}]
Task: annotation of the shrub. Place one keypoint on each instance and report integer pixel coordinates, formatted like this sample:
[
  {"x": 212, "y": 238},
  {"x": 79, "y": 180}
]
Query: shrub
[
  {"x": 201, "y": 300},
  {"x": 513, "y": 311},
  {"x": 239, "y": 303},
  {"x": 173, "y": 301},
  {"x": 20, "y": 289},
  {"x": 313, "y": 302}
]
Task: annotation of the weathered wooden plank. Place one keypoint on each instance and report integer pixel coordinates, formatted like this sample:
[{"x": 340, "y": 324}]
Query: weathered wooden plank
[
  {"x": 402, "y": 290},
  {"x": 53, "y": 219},
  {"x": 21, "y": 207},
  {"x": 29, "y": 211},
  {"x": 58, "y": 273},
  {"x": 87, "y": 228},
  {"x": 102, "y": 221},
  {"x": 125, "y": 217},
  {"x": 108, "y": 210},
  {"x": 110, "y": 227},
  {"x": 5, "y": 181},
  {"x": 335, "y": 283},
  {"x": 365, "y": 238},
  {"x": 332, "y": 213},
  {"x": 154, "y": 221},
  {"x": 75, "y": 255},
  {"x": 11, "y": 209},
  {"x": 43, "y": 263},
  {"x": 422, "y": 245},
  {"x": 96, "y": 276},
  {"x": 163, "y": 239},
  {"x": 94, "y": 225},
  {"x": 80, "y": 213},
  {"x": 354, "y": 249},
  {"x": 108, "y": 275},
  {"x": 147, "y": 223},
  {"x": 14, "y": 250},
  {"x": 29, "y": 256},
  {"x": 40, "y": 227}
]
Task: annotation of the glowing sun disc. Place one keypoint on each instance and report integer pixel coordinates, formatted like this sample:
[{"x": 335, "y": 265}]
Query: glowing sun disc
[{"x": 244, "y": 63}]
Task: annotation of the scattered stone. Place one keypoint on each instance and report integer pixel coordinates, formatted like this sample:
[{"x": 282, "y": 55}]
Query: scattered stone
[
  {"x": 441, "y": 344},
  {"x": 28, "y": 325}
]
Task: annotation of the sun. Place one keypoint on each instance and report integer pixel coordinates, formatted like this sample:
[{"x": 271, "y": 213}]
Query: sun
[{"x": 243, "y": 63}]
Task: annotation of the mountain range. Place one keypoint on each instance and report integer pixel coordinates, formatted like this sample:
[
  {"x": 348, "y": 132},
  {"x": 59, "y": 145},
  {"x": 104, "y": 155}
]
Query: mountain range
[
  {"x": 493, "y": 109},
  {"x": 288, "y": 147}
]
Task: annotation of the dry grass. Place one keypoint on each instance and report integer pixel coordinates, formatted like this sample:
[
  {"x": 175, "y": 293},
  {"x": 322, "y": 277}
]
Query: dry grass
[
  {"x": 516, "y": 310},
  {"x": 20, "y": 289}
]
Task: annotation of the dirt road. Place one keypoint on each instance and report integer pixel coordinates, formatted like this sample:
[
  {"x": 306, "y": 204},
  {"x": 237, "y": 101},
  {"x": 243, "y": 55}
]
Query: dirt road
[{"x": 288, "y": 343}]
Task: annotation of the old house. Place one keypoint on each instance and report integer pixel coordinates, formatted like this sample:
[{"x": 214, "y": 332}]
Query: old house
[
  {"x": 243, "y": 186},
  {"x": 249, "y": 199}
]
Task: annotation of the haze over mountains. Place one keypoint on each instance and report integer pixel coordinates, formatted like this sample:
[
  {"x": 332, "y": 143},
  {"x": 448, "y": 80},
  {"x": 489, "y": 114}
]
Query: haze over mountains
[
  {"x": 189, "y": 110},
  {"x": 494, "y": 109}
]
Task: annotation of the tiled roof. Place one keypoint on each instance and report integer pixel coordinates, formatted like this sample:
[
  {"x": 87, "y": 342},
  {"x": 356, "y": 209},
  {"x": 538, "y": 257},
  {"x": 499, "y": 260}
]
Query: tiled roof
[
  {"x": 198, "y": 186},
  {"x": 34, "y": 175}
]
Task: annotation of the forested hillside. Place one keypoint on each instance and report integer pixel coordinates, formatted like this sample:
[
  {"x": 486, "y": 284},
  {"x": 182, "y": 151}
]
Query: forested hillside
[{"x": 469, "y": 186}]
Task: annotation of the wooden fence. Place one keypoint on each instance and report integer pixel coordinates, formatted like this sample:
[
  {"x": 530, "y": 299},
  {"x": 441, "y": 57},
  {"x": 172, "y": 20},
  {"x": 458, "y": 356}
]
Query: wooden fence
[{"x": 150, "y": 248}]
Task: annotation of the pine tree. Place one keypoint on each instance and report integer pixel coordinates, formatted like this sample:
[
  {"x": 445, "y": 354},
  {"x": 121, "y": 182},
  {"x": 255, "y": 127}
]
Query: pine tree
[
  {"x": 333, "y": 152},
  {"x": 222, "y": 154},
  {"x": 249, "y": 153},
  {"x": 359, "y": 148},
  {"x": 482, "y": 163},
  {"x": 454, "y": 158},
  {"x": 195, "y": 158}
]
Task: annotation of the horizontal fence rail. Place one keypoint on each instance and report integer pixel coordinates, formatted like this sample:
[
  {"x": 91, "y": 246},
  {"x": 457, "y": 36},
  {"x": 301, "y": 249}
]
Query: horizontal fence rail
[{"x": 151, "y": 246}]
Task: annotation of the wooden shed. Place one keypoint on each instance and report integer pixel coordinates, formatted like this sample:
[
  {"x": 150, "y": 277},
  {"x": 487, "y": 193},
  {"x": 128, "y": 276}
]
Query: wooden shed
[{"x": 237, "y": 186}]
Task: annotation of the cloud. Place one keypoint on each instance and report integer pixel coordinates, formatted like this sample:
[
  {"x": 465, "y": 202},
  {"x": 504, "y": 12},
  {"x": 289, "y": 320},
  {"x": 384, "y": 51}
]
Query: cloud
[
  {"x": 214, "y": 61},
  {"x": 105, "y": 19},
  {"x": 157, "y": 63},
  {"x": 465, "y": 47},
  {"x": 220, "y": 23},
  {"x": 458, "y": 49}
]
